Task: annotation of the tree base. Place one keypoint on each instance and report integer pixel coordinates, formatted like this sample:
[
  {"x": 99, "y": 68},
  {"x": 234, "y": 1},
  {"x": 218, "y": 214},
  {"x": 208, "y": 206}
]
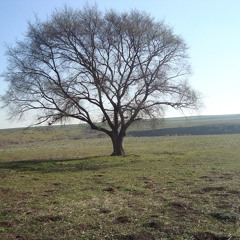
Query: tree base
[{"x": 120, "y": 153}]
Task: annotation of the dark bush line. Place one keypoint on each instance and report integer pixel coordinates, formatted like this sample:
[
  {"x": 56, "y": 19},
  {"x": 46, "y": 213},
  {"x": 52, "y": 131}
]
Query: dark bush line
[{"x": 196, "y": 130}]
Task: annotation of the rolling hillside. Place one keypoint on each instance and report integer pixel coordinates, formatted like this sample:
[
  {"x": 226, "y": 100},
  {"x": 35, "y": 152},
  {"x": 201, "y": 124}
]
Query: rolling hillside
[{"x": 197, "y": 125}]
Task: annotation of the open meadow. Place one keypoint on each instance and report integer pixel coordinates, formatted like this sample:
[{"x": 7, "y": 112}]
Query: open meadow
[{"x": 55, "y": 184}]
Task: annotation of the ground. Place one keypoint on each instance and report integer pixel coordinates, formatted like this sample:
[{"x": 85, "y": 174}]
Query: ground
[{"x": 179, "y": 187}]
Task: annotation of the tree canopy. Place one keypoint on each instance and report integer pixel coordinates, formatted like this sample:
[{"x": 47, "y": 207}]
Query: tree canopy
[{"x": 112, "y": 67}]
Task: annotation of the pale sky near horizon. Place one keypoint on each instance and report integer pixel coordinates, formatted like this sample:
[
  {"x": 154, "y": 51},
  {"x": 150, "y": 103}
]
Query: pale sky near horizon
[{"x": 211, "y": 29}]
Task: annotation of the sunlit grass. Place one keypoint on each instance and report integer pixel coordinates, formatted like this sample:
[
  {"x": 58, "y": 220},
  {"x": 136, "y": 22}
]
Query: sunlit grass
[{"x": 165, "y": 188}]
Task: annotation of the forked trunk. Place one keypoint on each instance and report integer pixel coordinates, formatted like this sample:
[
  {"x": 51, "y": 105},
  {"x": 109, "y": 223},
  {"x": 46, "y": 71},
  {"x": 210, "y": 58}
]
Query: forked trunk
[{"x": 117, "y": 141}]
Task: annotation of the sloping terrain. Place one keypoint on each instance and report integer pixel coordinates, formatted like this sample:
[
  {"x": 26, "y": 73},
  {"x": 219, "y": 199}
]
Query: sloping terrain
[{"x": 198, "y": 125}]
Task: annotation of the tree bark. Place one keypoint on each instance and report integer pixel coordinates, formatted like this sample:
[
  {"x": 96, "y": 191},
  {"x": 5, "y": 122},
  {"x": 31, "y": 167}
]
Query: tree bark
[{"x": 117, "y": 142}]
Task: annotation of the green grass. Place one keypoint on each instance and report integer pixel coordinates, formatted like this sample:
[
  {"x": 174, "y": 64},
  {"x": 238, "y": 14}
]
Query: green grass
[{"x": 165, "y": 188}]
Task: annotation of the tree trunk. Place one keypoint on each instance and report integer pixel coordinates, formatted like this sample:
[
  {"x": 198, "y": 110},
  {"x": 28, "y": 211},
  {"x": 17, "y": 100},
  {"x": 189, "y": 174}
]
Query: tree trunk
[{"x": 117, "y": 141}]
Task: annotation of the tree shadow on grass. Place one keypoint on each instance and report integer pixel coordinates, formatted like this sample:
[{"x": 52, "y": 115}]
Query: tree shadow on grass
[{"x": 62, "y": 165}]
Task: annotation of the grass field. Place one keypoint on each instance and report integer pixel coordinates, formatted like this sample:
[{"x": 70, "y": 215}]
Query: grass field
[{"x": 59, "y": 184}]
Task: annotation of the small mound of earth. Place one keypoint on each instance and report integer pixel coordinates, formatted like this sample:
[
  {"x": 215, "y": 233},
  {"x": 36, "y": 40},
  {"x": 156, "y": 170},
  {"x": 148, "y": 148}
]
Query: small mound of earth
[
  {"x": 155, "y": 225},
  {"x": 123, "y": 219}
]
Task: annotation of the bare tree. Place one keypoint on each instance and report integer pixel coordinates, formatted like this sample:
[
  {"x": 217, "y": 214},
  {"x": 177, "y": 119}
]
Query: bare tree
[{"x": 93, "y": 66}]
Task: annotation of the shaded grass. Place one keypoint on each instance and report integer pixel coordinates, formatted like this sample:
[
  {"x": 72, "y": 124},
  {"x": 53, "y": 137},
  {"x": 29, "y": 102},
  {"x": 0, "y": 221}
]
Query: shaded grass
[{"x": 166, "y": 188}]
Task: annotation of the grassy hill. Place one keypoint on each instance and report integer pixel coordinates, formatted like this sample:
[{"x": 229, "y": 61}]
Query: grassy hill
[
  {"x": 59, "y": 183},
  {"x": 196, "y": 125}
]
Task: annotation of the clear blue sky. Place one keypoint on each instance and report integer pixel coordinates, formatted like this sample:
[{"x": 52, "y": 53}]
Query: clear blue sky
[{"x": 211, "y": 28}]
